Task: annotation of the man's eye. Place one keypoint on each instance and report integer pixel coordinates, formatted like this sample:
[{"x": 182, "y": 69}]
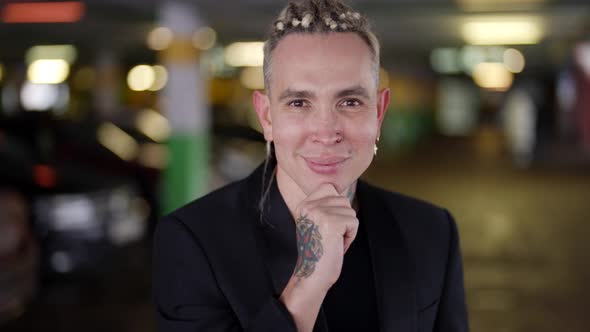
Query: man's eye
[
  {"x": 297, "y": 103},
  {"x": 351, "y": 103}
]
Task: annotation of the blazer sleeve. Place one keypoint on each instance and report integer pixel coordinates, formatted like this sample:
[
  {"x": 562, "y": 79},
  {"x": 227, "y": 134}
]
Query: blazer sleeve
[
  {"x": 186, "y": 294},
  {"x": 452, "y": 313}
]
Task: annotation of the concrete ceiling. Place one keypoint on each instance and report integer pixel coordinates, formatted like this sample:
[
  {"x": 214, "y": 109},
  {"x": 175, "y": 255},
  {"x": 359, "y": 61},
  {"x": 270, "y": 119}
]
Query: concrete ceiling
[{"x": 407, "y": 28}]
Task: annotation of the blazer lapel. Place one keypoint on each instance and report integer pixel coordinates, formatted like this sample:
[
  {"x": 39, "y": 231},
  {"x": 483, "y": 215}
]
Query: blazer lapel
[{"x": 392, "y": 267}]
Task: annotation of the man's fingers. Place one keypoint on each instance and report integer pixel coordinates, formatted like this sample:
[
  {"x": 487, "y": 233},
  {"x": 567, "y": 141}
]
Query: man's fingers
[
  {"x": 350, "y": 235},
  {"x": 328, "y": 201},
  {"x": 338, "y": 211}
]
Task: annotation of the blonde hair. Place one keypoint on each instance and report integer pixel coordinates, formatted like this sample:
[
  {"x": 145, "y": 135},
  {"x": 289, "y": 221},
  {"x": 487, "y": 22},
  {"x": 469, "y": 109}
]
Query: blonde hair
[{"x": 318, "y": 16}]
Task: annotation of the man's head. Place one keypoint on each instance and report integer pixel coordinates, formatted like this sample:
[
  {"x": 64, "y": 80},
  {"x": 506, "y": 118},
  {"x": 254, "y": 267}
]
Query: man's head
[
  {"x": 323, "y": 110},
  {"x": 318, "y": 17}
]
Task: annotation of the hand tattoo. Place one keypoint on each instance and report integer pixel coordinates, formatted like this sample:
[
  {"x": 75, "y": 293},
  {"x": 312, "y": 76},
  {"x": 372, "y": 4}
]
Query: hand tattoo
[{"x": 309, "y": 246}]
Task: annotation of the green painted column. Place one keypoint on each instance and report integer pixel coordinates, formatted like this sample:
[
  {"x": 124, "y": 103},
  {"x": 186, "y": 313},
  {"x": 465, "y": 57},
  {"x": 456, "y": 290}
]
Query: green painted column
[{"x": 184, "y": 104}]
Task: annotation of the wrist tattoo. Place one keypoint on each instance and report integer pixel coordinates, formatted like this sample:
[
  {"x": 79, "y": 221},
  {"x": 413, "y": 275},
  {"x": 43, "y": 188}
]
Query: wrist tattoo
[{"x": 309, "y": 246}]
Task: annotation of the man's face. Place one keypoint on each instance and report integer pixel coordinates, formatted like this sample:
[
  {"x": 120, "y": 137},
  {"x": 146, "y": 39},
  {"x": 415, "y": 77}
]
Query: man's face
[{"x": 324, "y": 112}]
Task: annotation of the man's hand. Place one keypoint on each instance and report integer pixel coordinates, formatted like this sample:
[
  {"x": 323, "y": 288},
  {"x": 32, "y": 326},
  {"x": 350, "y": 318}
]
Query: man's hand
[{"x": 326, "y": 225}]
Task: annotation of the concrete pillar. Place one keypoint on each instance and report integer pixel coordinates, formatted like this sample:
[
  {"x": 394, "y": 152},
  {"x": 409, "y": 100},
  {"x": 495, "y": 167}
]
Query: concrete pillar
[{"x": 184, "y": 103}]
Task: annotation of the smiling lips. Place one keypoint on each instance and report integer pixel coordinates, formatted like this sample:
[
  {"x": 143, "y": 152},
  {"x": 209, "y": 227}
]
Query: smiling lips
[{"x": 325, "y": 165}]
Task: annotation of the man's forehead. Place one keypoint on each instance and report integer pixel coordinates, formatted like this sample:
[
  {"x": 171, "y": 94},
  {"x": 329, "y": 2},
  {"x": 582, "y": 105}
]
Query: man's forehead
[
  {"x": 310, "y": 42},
  {"x": 320, "y": 62},
  {"x": 325, "y": 54}
]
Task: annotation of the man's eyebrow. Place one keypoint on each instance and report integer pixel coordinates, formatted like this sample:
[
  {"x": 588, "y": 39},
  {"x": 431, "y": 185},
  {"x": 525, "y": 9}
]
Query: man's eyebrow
[
  {"x": 306, "y": 94},
  {"x": 354, "y": 91},
  {"x": 290, "y": 93}
]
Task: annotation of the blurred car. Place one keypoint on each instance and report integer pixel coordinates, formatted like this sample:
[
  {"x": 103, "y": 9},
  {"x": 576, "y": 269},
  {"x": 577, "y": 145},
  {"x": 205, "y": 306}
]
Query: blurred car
[
  {"x": 79, "y": 229},
  {"x": 85, "y": 202},
  {"x": 19, "y": 256}
]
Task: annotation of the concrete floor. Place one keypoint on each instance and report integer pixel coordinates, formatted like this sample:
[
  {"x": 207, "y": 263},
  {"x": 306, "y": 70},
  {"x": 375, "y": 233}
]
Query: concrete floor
[{"x": 523, "y": 236}]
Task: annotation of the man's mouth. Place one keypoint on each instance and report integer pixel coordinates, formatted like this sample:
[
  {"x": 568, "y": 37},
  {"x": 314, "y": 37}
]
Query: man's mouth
[{"x": 325, "y": 165}]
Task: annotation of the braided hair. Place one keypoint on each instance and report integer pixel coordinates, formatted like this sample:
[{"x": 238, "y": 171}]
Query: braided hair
[{"x": 318, "y": 16}]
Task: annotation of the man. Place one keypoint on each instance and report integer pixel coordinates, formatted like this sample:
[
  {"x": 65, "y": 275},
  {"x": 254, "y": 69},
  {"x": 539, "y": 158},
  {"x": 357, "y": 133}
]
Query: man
[{"x": 303, "y": 244}]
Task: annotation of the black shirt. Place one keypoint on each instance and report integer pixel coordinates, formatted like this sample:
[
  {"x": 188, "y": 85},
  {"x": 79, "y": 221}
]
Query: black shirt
[{"x": 350, "y": 305}]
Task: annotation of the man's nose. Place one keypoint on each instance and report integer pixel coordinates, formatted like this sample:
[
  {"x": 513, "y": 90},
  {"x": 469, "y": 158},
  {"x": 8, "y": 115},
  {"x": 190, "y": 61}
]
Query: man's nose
[{"x": 326, "y": 127}]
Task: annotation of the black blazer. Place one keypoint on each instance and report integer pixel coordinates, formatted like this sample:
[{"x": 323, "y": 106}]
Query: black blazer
[{"x": 217, "y": 267}]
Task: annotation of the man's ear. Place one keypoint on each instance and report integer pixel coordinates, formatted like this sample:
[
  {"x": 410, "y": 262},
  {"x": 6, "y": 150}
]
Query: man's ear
[
  {"x": 382, "y": 104},
  {"x": 262, "y": 107}
]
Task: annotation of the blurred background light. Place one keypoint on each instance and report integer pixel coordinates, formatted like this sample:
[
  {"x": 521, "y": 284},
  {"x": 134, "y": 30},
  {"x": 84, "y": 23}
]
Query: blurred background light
[
  {"x": 1, "y": 72},
  {"x": 39, "y": 97},
  {"x": 520, "y": 117},
  {"x": 153, "y": 124},
  {"x": 64, "y": 52},
  {"x": 48, "y": 71},
  {"x": 495, "y": 53},
  {"x": 445, "y": 60},
  {"x": 514, "y": 60},
  {"x": 117, "y": 141},
  {"x": 471, "y": 56},
  {"x": 43, "y": 12},
  {"x": 204, "y": 38},
  {"x": 160, "y": 78},
  {"x": 252, "y": 78},
  {"x": 160, "y": 38},
  {"x": 490, "y": 5},
  {"x": 141, "y": 78},
  {"x": 501, "y": 32},
  {"x": 153, "y": 155},
  {"x": 45, "y": 176},
  {"x": 245, "y": 54},
  {"x": 492, "y": 76},
  {"x": 458, "y": 105}
]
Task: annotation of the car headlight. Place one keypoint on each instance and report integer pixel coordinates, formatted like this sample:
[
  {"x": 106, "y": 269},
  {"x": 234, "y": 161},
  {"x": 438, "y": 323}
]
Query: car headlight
[{"x": 69, "y": 213}]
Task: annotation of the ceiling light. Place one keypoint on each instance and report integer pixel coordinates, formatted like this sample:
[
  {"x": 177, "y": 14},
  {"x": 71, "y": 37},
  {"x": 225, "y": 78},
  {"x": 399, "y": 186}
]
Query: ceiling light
[
  {"x": 514, "y": 60},
  {"x": 204, "y": 38},
  {"x": 160, "y": 78},
  {"x": 501, "y": 32},
  {"x": 252, "y": 78},
  {"x": 245, "y": 54},
  {"x": 153, "y": 125},
  {"x": 160, "y": 38},
  {"x": 48, "y": 71},
  {"x": 117, "y": 141},
  {"x": 141, "y": 78},
  {"x": 64, "y": 52},
  {"x": 492, "y": 76}
]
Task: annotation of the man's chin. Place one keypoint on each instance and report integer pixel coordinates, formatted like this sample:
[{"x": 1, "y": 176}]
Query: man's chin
[{"x": 312, "y": 183}]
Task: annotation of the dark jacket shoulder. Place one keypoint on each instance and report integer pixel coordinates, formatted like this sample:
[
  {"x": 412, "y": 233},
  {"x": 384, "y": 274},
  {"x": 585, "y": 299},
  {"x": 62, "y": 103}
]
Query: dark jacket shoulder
[{"x": 225, "y": 203}]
